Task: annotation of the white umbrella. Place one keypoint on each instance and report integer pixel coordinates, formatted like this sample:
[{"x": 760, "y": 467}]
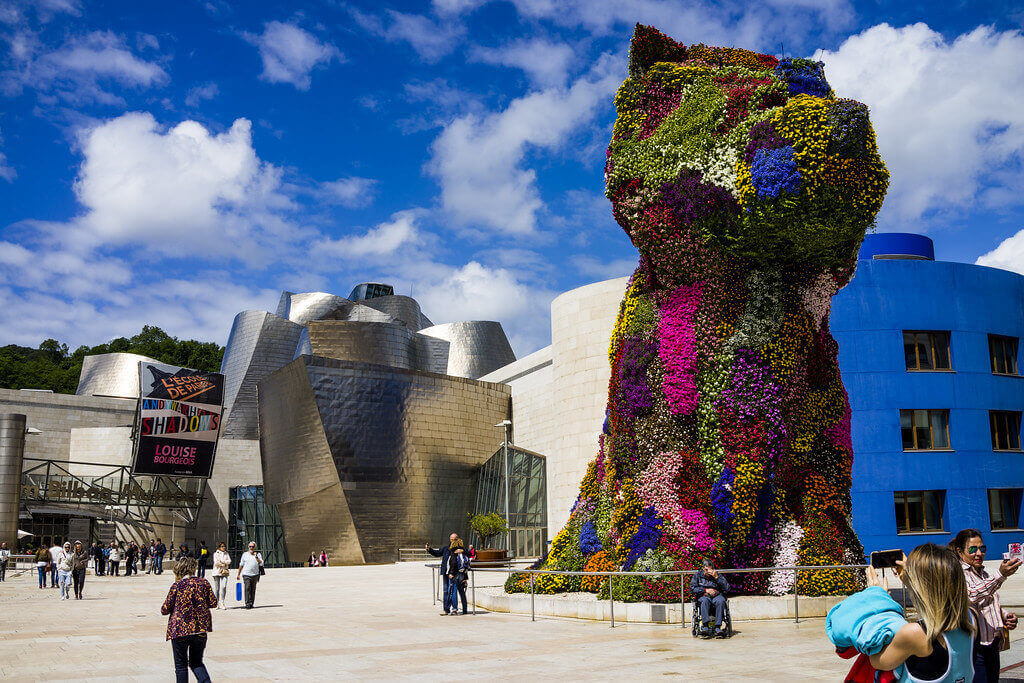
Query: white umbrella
[{"x": 23, "y": 534}]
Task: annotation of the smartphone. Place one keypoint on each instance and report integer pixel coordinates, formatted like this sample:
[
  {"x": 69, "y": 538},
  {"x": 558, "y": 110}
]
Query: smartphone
[{"x": 882, "y": 559}]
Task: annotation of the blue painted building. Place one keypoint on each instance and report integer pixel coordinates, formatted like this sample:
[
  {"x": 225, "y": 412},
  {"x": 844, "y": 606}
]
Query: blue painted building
[{"x": 928, "y": 352}]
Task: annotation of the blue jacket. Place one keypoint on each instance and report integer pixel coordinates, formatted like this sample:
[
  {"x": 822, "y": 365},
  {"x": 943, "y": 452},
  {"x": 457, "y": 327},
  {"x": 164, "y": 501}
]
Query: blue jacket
[
  {"x": 700, "y": 581},
  {"x": 866, "y": 621},
  {"x": 444, "y": 552}
]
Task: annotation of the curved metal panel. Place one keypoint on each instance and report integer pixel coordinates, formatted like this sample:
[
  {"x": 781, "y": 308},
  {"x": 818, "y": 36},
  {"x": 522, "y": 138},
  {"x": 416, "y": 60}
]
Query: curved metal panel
[
  {"x": 111, "y": 374},
  {"x": 404, "y": 445},
  {"x": 390, "y": 344},
  {"x": 12, "y": 452},
  {"x": 402, "y": 308},
  {"x": 477, "y": 347}
]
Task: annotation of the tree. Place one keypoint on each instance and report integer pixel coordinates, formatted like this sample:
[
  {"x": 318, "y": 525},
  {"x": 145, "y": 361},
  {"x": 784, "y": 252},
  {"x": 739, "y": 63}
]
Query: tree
[{"x": 488, "y": 526}]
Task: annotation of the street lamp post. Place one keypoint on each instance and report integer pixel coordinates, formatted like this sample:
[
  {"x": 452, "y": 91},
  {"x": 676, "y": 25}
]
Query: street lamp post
[{"x": 508, "y": 476}]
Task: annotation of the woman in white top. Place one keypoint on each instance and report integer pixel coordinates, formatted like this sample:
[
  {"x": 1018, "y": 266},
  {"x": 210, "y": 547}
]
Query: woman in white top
[
  {"x": 221, "y": 565},
  {"x": 115, "y": 559},
  {"x": 65, "y": 563}
]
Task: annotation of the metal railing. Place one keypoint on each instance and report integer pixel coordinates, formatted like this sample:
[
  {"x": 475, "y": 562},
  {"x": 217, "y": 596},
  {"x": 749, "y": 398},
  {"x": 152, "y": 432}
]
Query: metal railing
[{"x": 682, "y": 574}]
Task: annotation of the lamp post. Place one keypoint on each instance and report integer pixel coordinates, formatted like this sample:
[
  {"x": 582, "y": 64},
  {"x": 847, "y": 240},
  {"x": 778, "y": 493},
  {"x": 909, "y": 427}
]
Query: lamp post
[{"x": 508, "y": 476}]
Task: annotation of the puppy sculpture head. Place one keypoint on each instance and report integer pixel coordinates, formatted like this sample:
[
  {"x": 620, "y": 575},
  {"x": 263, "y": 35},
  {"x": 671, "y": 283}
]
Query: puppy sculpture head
[{"x": 722, "y": 157}]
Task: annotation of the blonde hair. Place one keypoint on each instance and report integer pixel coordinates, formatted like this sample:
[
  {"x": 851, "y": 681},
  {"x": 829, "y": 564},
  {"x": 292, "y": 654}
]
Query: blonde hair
[
  {"x": 186, "y": 566},
  {"x": 935, "y": 580}
]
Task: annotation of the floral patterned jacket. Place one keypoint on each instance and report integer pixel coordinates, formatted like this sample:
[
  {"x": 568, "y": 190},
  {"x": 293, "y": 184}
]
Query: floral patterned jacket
[{"x": 188, "y": 602}]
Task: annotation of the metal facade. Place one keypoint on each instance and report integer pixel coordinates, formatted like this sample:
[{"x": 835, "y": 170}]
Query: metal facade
[
  {"x": 365, "y": 459},
  {"x": 12, "y": 452},
  {"x": 476, "y": 347},
  {"x": 111, "y": 374}
]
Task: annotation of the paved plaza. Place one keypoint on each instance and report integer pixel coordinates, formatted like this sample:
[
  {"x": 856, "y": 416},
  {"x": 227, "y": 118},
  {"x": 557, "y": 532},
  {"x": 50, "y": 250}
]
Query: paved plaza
[{"x": 377, "y": 622}]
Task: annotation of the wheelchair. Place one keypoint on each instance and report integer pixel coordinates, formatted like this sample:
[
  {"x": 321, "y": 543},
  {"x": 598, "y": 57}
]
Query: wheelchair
[{"x": 710, "y": 625}]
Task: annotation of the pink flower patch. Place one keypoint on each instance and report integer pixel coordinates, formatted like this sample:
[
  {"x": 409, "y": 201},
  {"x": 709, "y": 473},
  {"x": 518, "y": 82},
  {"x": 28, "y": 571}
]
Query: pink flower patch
[{"x": 678, "y": 349}]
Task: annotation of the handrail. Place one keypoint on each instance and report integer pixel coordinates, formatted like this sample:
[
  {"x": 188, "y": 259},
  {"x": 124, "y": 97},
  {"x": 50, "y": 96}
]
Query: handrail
[{"x": 681, "y": 573}]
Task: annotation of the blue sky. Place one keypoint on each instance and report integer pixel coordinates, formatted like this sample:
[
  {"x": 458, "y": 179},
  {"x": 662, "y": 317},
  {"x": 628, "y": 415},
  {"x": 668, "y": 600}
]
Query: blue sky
[{"x": 175, "y": 163}]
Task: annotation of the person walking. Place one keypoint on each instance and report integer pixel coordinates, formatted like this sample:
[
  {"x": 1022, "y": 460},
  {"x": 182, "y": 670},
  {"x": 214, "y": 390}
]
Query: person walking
[
  {"x": 5, "y": 557},
  {"x": 188, "y": 605},
  {"x": 982, "y": 591},
  {"x": 221, "y": 570},
  {"x": 250, "y": 566},
  {"x": 444, "y": 553},
  {"x": 80, "y": 562},
  {"x": 323, "y": 558},
  {"x": 55, "y": 551},
  {"x": 458, "y": 572},
  {"x": 130, "y": 557},
  {"x": 65, "y": 563},
  {"x": 202, "y": 555},
  {"x": 96, "y": 552},
  {"x": 115, "y": 559},
  {"x": 158, "y": 555},
  {"x": 151, "y": 554},
  {"x": 42, "y": 564},
  {"x": 313, "y": 561},
  {"x": 143, "y": 556}
]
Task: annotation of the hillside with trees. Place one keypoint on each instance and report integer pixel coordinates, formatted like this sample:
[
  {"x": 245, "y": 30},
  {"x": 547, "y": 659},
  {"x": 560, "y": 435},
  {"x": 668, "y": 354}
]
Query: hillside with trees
[{"x": 52, "y": 366}]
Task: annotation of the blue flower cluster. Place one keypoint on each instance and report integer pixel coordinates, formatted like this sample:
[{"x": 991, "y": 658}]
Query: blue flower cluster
[
  {"x": 647, "y": 537},
  {"x": 804, "y": 77},
  {"x": 589, "y": 542},
  {"x": 773, "y": 172},
  {"x": 722, "y": 498}
]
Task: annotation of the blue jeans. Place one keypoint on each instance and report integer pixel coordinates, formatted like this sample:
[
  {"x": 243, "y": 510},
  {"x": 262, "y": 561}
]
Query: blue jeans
[
  {"x": 65, "y": 583},
  {"x": 986, "y": 662},
  {"x": 704, "y": 602},
  {"x": 42, "y": 576},
  {"x": 456, "y": 589},
  {"x": 53, "y": 575},
  {"x": 188, "y": 654},
  {"x": 158, "y": 561}
]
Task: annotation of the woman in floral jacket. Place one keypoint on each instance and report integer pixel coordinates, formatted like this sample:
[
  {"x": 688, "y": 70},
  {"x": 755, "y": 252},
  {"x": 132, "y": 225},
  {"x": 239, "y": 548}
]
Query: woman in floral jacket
[{"x": 188, "y": 603}]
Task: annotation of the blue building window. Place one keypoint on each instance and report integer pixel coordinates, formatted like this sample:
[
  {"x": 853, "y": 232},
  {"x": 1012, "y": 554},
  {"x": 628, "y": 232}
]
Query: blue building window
[
  {"x": 925, "y": 430},
  {"x": 919, "y": 511},
  {"x": 926, "y": 351},
  {"x": 1005, "y": 425},
  {"x": 1004, "y": 509},
  {"x": 1002, "y": 352}
]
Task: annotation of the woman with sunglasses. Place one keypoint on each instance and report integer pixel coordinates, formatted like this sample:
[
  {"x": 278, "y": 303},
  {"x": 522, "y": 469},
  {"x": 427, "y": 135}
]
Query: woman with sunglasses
[{"x": 981, "y": 590}]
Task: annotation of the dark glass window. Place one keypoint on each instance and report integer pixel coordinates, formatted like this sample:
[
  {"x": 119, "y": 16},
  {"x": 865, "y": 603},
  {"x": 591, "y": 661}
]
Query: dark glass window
[
  {"x": 918, "y": 511},
  {"x": 1004, "y": 508},
  {"x": 527, "y": 495},
  {"x": 926, "y": 351},
  {"x": 1002, "y": 352},
  {"x": 925, "y": 430},
  {"x": 250, "y": 518},
  {"x": 1005, "y": 425}
]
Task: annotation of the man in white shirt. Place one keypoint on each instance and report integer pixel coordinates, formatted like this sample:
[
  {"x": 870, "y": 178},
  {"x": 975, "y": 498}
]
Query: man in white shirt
[
  {"x": 55, "y": 551},
  {"x": 249, "y": 570},
  {"x": 5, "y": 556}
]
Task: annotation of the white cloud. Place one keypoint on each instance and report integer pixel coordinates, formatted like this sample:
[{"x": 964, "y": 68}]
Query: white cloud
[
  {"x": 475, "y": 292},
  {"x": 547, "y": 64},
  {"x": 182, "y": 190},
  {"x": 949, "y": 116},
  {"x": 199, "y": 93},
  {"x": 352, "y": 192},
  {"x": 431, "y": 39},
  {"x": 290, "y": 54},
  {"x": 478, "y": 160},
  {"x": 79, "y": 70},
  {"x": 6, "y": 171},
  {"x": 381, "y": 240},
  {"x": 1009, "y": 255}
]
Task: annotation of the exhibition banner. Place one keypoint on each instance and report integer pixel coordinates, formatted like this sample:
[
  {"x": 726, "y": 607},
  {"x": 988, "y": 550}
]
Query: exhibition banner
[{"x": 178, "y": 420}]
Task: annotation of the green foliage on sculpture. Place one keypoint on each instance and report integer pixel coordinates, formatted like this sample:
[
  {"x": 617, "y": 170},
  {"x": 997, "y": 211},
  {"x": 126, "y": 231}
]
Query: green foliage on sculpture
[{"x": 747, "y": 187}]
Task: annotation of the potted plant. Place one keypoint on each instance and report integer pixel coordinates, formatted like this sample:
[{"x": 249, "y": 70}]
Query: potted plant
[{"x": 487, "y": 528}]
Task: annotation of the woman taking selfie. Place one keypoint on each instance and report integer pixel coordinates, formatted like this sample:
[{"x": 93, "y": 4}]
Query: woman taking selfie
[
  {"x": 982, "y": 592},
  {"x": 938, "y": 647}
]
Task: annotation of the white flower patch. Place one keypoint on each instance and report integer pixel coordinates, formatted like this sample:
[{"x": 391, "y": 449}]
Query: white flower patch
[
  {"x": 787, "y": 552},
  {"x": 817, "y": 298}
]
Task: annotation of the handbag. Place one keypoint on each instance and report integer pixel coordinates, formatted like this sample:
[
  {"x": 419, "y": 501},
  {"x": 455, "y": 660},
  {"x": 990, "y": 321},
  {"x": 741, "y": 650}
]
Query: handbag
[
  {"x": 1004, "y": 640},
  {"x": 263, "y": 572}
]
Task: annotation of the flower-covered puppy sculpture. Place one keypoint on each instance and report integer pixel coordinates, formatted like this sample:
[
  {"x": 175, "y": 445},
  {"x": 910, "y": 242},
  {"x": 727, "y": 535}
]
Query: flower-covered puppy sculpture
[{"x": 747, "y": 186}]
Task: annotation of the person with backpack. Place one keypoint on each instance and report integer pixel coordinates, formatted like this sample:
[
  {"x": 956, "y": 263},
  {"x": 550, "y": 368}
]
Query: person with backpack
[
  {"x": 42, "y": 563},
  {"x": 202, "y": 555},
  {"x": 458, "y": 574}
]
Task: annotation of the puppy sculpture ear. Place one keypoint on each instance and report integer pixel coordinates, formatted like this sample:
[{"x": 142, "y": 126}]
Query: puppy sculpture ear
[{"x": 648, "y": 46}]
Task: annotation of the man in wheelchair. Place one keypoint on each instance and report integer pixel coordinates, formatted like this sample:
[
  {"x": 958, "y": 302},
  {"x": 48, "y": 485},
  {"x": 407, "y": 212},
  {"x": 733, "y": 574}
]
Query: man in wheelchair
[{"x": 708, "y": 589}]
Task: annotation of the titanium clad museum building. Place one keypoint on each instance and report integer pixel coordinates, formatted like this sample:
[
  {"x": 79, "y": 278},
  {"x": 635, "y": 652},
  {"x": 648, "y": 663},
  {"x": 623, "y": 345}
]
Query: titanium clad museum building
[{"x": 357, "y": 425}]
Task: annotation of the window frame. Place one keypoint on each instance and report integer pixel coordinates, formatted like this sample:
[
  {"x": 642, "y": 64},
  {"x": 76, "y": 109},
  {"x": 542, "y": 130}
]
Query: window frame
[
  {"x": 993, "y": 417},
  {"x": 1020, "y": 498},
  {"x": 949, "y": 442},
  {"x": 932, "y": 334},
  {"x": 924, "y": 517},
  {"x": 1003, "y": 339}
]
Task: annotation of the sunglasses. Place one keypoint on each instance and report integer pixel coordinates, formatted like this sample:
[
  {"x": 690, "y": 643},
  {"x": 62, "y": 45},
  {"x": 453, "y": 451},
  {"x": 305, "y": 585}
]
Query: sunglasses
[{"x": 976, "y": 549}]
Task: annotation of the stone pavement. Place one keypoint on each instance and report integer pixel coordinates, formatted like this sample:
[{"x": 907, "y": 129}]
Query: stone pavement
[{"x": 375, "y": 622}]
